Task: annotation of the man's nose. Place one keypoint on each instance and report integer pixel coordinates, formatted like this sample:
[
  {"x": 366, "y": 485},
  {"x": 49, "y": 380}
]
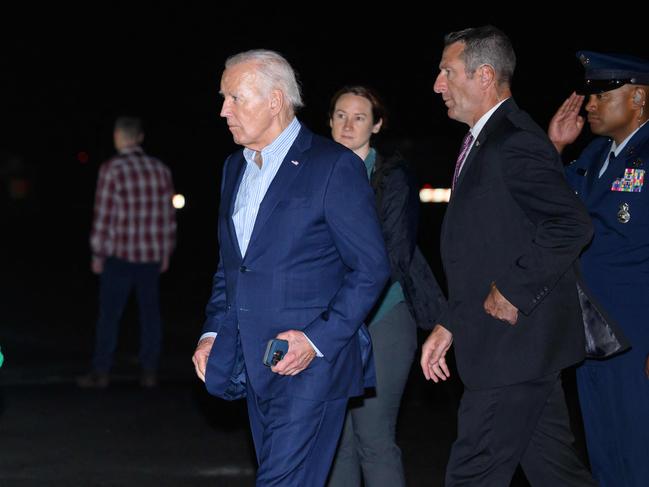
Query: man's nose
[
  {"x": 592, "y": 103},
  {"x": 439, "y": 86},
  {"x": 225, "y": 109}
]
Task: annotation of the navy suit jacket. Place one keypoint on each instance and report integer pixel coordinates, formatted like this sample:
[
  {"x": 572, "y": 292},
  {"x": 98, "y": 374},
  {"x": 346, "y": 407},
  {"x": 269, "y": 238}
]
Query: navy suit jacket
[{"x": 316, "y": 262}]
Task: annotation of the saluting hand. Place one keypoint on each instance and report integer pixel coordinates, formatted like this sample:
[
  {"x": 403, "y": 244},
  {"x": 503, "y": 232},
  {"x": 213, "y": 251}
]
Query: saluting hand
[{"x": 566, "y": 124}]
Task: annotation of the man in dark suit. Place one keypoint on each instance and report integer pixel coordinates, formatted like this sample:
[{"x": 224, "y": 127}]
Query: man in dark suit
[
  {"x": 302, "y": 258},
  {"x": 511, "y": 233}
]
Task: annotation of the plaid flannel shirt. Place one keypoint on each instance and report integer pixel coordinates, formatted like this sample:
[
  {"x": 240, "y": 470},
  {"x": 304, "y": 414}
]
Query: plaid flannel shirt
[{"x": 134, "y": 218}]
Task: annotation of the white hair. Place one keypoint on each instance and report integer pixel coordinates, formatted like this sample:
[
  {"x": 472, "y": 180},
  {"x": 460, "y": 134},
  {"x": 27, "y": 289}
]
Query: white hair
[{"x": 275, "y": 71}]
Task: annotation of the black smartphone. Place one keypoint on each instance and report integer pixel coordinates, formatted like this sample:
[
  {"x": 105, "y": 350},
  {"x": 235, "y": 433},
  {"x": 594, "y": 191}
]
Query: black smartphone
[{"x": 275, "y": 351}]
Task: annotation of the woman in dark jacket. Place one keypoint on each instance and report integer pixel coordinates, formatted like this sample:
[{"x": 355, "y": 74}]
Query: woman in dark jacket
[{"x": 411, "y": 297}]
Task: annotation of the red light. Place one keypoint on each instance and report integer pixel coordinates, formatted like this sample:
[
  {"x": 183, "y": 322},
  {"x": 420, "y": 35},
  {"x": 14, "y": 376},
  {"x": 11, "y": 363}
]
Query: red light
[
  {"x": 426, "y": 186},
  {"x": 82, "y": 157}
]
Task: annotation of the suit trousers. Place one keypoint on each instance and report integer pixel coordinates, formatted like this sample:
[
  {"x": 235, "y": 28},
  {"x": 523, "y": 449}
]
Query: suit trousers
[
  {"x": 295, "y": 439},
  {"x": 368, "y": 442},
  {"x": 116, "y": 282},
  {"x": 524, "y": 423}
]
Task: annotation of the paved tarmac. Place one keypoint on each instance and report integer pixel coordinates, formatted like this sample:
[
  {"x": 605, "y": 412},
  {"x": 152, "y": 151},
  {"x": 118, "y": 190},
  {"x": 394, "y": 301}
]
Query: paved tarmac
[{"x": 54, "y": 434}]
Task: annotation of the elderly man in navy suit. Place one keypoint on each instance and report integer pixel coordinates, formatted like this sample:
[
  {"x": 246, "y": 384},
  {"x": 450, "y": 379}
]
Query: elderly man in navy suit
[
  {"x": 302, "y": 258},
  {"x": 610, "y": 177}
]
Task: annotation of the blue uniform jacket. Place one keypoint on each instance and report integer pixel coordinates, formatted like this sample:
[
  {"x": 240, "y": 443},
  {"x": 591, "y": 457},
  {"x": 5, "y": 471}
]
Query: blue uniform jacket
[{"x": 615, "y": 266}]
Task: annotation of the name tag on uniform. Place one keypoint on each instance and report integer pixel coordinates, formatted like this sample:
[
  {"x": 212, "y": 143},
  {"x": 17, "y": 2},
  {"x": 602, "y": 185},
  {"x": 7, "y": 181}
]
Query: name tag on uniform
[{"x": 631, "y": 182}]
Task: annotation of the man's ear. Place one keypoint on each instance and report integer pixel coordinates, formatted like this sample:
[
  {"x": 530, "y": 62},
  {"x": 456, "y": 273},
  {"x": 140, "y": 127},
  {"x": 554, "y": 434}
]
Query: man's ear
[
  {"x": 276, "y": 101},
  {"x": 487, "y": 74},
  {"x": 637, "y": 97}
]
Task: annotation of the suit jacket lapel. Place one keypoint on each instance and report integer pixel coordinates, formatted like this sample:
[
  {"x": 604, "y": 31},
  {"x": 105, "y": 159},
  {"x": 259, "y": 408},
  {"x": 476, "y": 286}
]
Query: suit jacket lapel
[
  {"x": 494, "y": 121},
  {"x": 629, "y": 154},
  {"x": 282, "y": 181},
  {"x": 230, "y": 190},
  {"x": 594, "y": 183}
]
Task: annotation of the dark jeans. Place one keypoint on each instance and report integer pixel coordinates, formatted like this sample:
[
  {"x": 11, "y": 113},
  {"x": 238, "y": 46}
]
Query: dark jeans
[{"x": 116, "y": 282}]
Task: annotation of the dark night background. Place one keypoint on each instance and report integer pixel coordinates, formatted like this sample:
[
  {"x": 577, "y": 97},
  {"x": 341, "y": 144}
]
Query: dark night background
[{"x": 65, "y": 76}]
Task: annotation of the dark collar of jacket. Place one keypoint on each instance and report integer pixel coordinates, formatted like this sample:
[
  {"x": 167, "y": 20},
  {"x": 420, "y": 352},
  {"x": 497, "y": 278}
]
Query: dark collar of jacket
[
  {"x": 384, "y": 166},
  {"x": 638, "y": 144},
  {"x": 495, "y": 121},
  {"x": 508, "y": 107}
]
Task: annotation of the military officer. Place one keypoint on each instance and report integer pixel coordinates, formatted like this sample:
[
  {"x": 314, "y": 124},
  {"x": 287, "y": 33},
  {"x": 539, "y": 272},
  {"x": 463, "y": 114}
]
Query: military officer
[{"x": 611, "y": 178}]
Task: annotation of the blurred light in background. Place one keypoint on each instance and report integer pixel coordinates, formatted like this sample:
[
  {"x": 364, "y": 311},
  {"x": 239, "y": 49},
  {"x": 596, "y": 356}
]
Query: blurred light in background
[
  {"x": 178, "y": 201},
  {"x": 428, "y": 194},
  {"x": 82, "y": 157}
]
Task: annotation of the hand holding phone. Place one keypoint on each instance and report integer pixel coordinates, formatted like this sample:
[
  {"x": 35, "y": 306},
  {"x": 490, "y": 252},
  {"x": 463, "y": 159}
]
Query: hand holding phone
[{"x": 275, "y": 351}]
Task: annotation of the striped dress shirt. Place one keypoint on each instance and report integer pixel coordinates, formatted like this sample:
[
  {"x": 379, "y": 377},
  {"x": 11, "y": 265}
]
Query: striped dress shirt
[{"x": 256, "y": 180}]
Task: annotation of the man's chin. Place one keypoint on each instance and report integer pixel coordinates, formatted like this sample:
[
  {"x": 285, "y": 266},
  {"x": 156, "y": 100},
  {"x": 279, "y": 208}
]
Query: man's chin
[
  {"x": 452, "y": 114},
  {"x": 596, "y": 128}
]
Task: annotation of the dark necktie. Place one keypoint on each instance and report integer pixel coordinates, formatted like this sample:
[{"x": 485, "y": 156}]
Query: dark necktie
[{"x": 466, "y": 143}]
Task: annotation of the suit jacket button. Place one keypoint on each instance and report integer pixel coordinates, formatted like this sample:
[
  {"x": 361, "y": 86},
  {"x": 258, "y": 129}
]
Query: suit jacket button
[{"x": 243, "y": 268}]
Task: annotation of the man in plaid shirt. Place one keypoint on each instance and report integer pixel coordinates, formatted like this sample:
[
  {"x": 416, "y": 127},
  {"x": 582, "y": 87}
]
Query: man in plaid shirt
[{"x": 133, "y": 235}]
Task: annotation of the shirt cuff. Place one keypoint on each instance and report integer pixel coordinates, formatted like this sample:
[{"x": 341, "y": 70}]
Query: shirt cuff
[
  {"x": 318, "y": 353},
  {"x": 213, "y": 334},
  {"x": 210, "y": 334}
]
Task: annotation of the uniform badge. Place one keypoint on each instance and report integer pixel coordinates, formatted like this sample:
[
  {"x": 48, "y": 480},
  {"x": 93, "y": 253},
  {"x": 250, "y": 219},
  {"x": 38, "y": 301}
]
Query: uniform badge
[
  {"x": 624, "y": 215},
  {"x": 631, "y": 182}
]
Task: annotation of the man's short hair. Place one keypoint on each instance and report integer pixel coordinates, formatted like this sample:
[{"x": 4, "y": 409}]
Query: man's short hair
[
  {"x": 485, "y": 45},
  {"x": 131, "y": 127}
]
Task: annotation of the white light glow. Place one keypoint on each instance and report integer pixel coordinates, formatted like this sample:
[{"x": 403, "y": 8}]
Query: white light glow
[
  {"x": 434, "y": 195},
  {"x": 178, "y": 201}
]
